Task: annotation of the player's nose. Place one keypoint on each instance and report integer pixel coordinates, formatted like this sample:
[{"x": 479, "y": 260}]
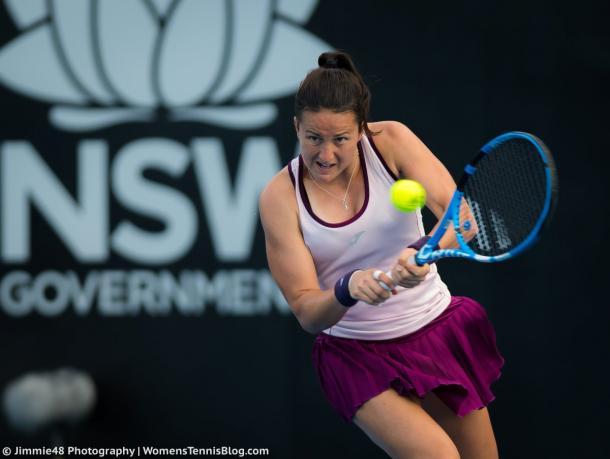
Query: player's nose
[{"x": 327, "y": 152}]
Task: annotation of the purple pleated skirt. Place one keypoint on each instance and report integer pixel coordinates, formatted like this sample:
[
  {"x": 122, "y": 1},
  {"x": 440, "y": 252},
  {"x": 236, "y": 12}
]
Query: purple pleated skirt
[{"x": 454, "y": 356}]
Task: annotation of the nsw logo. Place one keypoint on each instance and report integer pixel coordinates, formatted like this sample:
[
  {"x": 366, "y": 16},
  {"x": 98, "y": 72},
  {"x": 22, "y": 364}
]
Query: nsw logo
[{"x": 102, "y": 63}]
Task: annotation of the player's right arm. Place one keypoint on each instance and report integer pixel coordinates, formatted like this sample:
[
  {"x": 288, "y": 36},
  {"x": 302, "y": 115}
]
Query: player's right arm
[{"x": 292, "y": 266}]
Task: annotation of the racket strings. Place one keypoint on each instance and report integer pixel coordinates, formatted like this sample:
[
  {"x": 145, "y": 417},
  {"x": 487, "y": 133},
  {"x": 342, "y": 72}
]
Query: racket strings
[{"x": 505, "y": 197}]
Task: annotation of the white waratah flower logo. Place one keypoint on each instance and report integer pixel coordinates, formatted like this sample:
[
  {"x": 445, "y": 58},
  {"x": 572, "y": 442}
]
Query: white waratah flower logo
[{"x": 105, "y": 62}]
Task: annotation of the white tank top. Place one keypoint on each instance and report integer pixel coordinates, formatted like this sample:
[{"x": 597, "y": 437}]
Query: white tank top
[{"x": 373, "y": 238}]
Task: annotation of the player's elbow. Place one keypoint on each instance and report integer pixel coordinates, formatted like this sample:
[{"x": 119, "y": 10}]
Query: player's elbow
[
  {"x": 306, "y": 321},
  {"x": 310, "y": 327},
  {"x": 469, "y": 233},
  {"x": 468, "y": 227}
]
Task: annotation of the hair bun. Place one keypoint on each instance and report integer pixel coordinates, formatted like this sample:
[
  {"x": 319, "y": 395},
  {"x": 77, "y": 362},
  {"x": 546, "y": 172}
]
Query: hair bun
[
  {"x": 334, "y": 85},
  {"x": 330, "y": 62},
  {"x": 336, "y": 60}
]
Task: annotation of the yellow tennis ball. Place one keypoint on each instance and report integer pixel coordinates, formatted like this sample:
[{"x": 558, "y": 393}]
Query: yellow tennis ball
[{"x": 407, "y": 195}]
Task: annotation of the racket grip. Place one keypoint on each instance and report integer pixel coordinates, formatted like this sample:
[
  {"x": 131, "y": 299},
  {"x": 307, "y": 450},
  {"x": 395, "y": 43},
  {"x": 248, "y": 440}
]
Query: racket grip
[
  {"x": 383, "y": 284},
  {"x": 411, "y": 260}
]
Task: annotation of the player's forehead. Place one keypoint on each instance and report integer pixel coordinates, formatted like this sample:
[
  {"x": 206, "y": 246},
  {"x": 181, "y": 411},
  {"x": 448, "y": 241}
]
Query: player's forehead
[{"x": 329, "y": 123}]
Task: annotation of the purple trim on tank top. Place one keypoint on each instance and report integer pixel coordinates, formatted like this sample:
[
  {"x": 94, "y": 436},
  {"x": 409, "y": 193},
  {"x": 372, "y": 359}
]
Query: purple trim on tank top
[
  {"x": 384, "y": 164},
  {"x": 294, "y": 183},
  {"x": 307, "y": 204}
]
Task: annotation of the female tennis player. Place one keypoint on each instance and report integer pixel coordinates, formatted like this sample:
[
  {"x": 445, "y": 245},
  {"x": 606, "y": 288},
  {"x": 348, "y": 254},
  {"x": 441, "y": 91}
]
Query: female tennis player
[{"x": 411, "y": 367}]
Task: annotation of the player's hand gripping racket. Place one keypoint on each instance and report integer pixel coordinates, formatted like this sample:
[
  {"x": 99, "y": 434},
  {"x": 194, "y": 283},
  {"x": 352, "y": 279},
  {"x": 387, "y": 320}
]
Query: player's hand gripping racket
[{"x": 503, "y": 201}]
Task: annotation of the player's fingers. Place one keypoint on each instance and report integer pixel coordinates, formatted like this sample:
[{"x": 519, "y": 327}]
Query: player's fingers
[
  {"x": 402, "y": 274},
  {"x": 385, "y": 280},
  {"x": 362, "y": 293},
  {"x": 375, "y": 293},
  {"x": 380, "y": 293},
  {"x": 414, "y": 269},
  {"x": 407, "y": 261},
  {"x": 367, "y": 289},
  {"x": 405, "y": 278}
]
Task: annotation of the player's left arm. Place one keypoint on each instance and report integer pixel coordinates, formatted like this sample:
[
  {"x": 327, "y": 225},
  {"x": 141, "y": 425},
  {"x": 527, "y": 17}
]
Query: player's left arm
[{"x": 407, "y": 155}]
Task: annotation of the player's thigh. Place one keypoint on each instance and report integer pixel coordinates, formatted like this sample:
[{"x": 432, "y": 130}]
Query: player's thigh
[
  {"x": 472, "y": 434},
  {"x": 401, "y": 427}
]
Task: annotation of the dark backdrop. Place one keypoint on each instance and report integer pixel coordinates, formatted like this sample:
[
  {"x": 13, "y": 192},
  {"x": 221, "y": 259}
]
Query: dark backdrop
[{"x": 457, "y": 75}]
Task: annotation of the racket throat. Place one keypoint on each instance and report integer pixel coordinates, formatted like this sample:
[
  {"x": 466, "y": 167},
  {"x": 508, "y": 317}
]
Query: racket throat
[{"x": 423, "y": 255}]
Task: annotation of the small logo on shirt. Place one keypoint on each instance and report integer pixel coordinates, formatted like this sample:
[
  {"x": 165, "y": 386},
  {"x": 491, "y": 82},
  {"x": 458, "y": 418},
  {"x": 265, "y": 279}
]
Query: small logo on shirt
[{"x": 356, "y": 238}]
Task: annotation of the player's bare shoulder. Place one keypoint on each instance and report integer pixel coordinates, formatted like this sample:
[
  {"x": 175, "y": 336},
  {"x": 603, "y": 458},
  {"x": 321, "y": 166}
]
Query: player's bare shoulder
[
  {"x": 277, "y": 200},
  {"x": 391, "y": 134}
]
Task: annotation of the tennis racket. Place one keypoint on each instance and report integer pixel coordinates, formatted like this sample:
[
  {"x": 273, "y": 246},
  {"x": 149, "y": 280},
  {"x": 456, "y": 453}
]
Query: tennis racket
[{"x": 503, "y": 201}]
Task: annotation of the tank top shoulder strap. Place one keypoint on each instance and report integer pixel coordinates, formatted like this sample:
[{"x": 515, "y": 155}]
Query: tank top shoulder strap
[
  {"x": 293, "y": 169},
  {"x": 378, "y": 165}
]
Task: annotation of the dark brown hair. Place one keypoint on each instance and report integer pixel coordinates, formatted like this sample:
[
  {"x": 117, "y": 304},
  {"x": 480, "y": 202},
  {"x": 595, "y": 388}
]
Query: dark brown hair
[{"x": 335, "y": 85}]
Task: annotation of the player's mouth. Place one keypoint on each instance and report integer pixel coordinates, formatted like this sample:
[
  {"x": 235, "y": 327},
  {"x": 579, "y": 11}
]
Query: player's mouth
[{"x": 325, "y": 166}]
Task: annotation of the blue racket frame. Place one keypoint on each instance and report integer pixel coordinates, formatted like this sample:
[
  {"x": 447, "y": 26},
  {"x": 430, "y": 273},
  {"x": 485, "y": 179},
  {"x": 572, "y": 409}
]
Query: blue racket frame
[{"x": 427, "y": 254}]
